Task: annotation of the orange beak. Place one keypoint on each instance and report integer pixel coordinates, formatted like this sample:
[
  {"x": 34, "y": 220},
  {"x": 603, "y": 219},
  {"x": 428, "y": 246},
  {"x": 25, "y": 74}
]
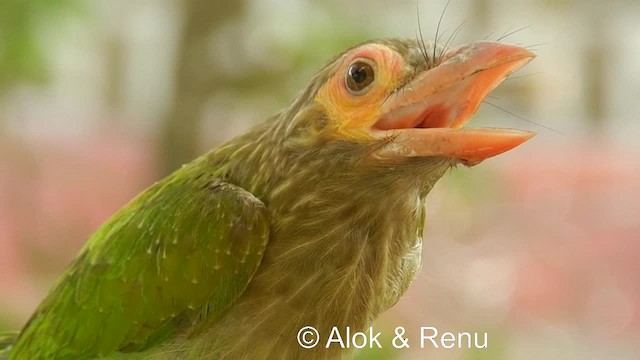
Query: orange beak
[{"x": 425, "y": 116}]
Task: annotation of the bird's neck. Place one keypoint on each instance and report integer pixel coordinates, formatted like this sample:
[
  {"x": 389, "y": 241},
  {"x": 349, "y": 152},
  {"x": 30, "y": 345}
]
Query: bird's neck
[
  {"x": 333, "y": 260},
  {"x": 345, "y": 241}
]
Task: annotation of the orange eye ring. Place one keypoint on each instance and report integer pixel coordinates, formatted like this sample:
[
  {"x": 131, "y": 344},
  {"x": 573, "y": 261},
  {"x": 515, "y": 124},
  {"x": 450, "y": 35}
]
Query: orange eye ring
[{"x": 359, "y": 77}]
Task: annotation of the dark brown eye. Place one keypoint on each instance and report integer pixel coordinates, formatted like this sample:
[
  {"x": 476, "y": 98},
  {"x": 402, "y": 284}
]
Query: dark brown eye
[{"x": 359, "y": 76}]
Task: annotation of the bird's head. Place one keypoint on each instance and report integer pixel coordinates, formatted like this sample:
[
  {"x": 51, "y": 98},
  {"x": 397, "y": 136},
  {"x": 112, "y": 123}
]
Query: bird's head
[
  {"x": 402, "y": 100},
  {"x": 387, "y": 112}
]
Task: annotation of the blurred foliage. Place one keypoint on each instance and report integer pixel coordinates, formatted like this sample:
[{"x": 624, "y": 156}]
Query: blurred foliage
[
  {"x": 197, "y": 79},
  {"x": 547, "y": 222},
  {"x": 201, "y": 74},
  {"x": 22, "y": 54}
]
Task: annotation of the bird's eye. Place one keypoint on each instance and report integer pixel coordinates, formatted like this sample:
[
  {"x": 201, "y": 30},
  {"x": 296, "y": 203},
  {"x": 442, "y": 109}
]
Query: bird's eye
[{"x": 359, "y": 76}]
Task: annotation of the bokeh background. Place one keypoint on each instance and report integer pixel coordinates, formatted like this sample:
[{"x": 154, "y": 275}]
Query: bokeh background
[{"x": 540, "y": 247}]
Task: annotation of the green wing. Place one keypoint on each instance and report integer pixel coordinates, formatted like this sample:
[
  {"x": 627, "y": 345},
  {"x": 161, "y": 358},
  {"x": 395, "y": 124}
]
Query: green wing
[
  {"x": 6, "y": 343},
  {"x": 176, "y": 257}
]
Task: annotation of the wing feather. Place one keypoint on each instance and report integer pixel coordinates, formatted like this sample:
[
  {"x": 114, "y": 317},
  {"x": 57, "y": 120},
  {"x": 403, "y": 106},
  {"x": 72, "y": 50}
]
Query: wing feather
[{"x": 178, "y": 255}]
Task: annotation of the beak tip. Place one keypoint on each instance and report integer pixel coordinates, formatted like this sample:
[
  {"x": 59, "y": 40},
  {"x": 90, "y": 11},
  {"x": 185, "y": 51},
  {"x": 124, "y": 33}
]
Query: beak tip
[{"x": 526, "y": 134}]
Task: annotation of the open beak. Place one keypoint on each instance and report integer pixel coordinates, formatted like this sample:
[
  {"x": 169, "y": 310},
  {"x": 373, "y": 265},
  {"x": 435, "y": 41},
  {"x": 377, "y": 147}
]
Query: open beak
[{"x": 425, "y": 117}]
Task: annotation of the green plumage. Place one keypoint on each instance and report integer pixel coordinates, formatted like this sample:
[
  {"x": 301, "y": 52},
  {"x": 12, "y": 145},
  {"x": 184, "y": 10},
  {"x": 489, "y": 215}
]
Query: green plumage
[
  {"x": 231, "y": 255},
  {"x": 292, "y": 224},
  {"x": 166, "y": 265}
]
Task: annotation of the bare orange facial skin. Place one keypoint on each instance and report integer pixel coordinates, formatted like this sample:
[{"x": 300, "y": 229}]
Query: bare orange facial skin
[
  {"x": 425, "y": 120},
  {"x": 352, "y": 114}
]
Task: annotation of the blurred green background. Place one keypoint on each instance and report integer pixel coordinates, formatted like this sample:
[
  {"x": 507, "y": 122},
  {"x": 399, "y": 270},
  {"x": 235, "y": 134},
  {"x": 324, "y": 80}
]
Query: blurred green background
[{"x": 540, "y": 248}]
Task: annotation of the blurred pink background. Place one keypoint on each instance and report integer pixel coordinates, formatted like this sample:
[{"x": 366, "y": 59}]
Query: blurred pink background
[{"x": 539, "y": 247}]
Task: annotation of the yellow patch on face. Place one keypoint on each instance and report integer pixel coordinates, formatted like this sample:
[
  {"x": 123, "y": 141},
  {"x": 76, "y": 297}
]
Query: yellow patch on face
[{"x": 352, "y": 113}]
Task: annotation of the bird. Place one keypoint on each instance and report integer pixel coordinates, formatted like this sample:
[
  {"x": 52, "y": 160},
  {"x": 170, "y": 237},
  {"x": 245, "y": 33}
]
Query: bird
[{"x": 313, "y": 217}]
